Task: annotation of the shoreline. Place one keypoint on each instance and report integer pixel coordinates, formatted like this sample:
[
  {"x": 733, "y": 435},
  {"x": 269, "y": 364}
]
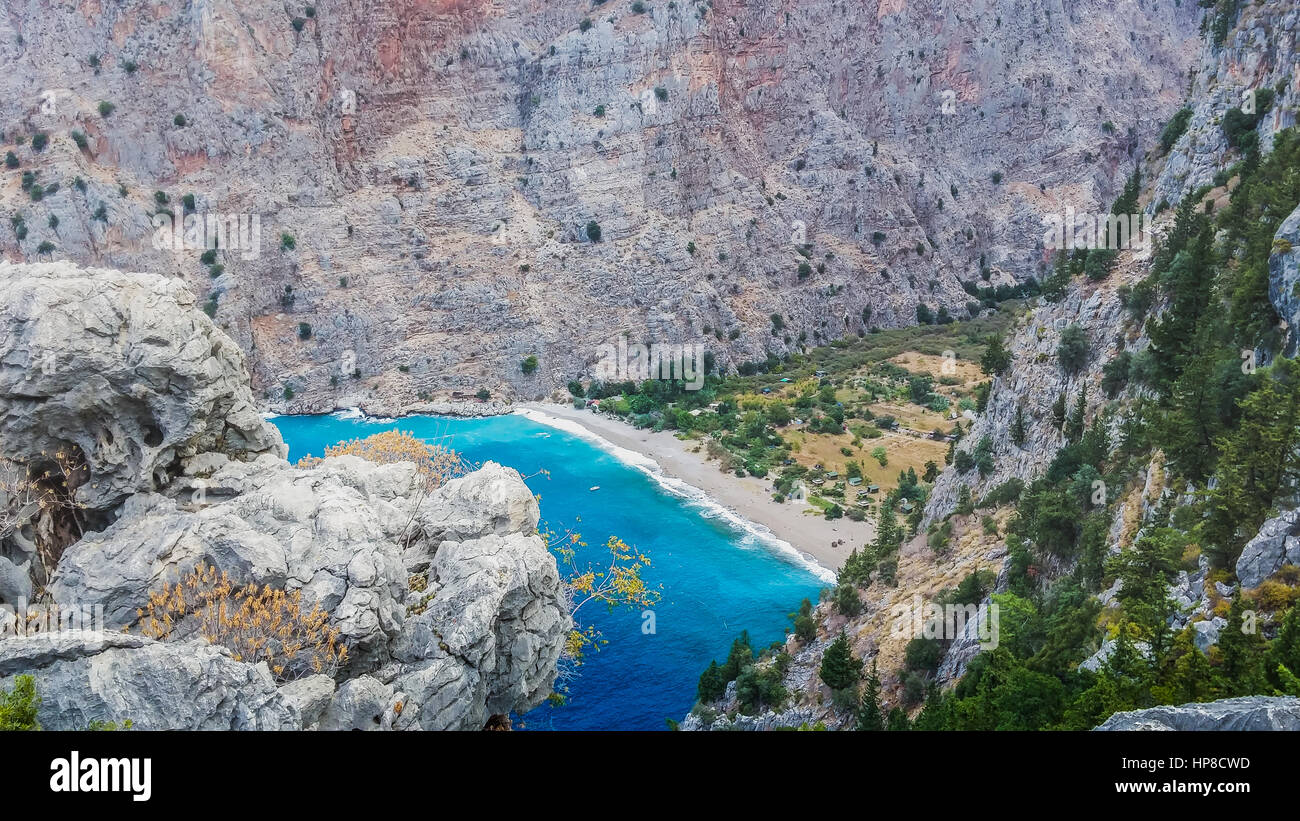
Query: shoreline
[{"x": 748, "y": 500}]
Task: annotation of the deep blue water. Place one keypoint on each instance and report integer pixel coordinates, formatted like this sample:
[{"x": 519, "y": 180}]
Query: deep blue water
[{"x": 715, "y": 579}]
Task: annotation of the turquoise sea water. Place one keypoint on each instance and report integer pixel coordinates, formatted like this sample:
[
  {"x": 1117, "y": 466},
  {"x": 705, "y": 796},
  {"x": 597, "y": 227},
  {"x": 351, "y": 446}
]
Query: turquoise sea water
[{"x": 716, "y": 579}]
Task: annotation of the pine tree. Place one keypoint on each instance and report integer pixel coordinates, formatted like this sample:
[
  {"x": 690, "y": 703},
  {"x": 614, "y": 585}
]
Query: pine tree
[
  {"x": 870, "y": 718},
  {"x": 1075, "y": 425},
  {"x": 1258, "y": 461},
  {"x": 712, "y": 685},
  {"x": 1018, "y": 426},
  {"x": 1058, "y": 282},
  {"x": 996, "y": 358},
  {"x": 840, "y": 669},
  {"x": 1058, "y": 410},
  {"x": 898, "y": 721},
  {"x": 1243, "y": 649},
  {"x": 1285, "y": 652}
]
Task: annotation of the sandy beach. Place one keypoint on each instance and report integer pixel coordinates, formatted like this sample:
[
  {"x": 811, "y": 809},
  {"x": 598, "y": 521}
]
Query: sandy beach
[{"x": 749, "y": 498}]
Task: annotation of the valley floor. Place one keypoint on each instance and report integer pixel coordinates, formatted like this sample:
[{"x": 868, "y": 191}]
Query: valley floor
[{"x": 828, "y": 542}]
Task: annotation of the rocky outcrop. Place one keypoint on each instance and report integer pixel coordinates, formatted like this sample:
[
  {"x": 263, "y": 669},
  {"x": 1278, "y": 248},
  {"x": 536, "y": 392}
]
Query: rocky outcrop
[
  {"x": 123, "y": 373},
  {"x": 86, "y": 676},
  {"x": 449, "y": 182},
  {"x": 1258, "y": 53},
  {"x": 1276, "y": 545},
  {"x": 449, "y": 603},
  {"x": 1251, "y": 713},
  {"x": 1037, "y": 380},
  {"x": 1284, "y": 277}
]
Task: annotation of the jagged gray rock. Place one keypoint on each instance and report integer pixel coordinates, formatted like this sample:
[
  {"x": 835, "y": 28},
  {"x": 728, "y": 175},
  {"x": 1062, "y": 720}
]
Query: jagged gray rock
[
  {"x": 85, "y": 676},
  {"x": 309, "y": 696},
  {"x": 124, "y": 369},
  {"x": 1277, "y": 544},
  {"x": 361, "y": 703},
  {"x": 480, "y": 636},
  {"x": 1284, "y": 277},
  {"x": 1250, "y": 713}
]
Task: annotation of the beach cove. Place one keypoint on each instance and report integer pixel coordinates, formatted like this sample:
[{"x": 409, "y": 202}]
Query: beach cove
[{"x": 718, "y": 574}]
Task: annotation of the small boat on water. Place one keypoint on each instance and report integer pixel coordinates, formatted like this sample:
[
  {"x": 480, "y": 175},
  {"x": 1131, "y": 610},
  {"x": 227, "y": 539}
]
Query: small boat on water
[{"x": 594, "y": 487}]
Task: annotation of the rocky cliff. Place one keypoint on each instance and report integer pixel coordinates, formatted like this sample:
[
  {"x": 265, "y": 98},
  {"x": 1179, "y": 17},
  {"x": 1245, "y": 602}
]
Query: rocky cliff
[
  {"x": 448, "y": 602},
  {"x": 430, "y": 177},
  {"x": 1254, "y": 59}
]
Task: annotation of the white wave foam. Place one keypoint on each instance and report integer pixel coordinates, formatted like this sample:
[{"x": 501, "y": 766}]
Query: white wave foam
[{"x": 752, "y": 533}]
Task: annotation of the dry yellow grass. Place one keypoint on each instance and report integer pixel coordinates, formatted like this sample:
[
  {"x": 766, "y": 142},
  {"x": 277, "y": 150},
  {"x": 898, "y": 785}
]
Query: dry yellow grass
[{"x": 938, "y": 367}]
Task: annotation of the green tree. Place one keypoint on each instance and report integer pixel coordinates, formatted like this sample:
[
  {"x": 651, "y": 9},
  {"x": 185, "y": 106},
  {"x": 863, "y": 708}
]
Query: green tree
[
  {"x": 1073, "y": 348},
  {"x": 1258, "y": 462},
  {"x": 1243, "y": 652},
  {"x": 996, "y": 358},
  {"x": 1018, "y": 426},
  {"x": 840, "y": 669},
  {"x": 870, "y": 717},
  {"x": 805, "y": 628}
]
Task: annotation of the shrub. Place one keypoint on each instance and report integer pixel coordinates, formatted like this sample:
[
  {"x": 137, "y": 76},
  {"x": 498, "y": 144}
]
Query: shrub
[
  {"x": 638, "y": 7},
  {"x": 298, "y": 23},
  {"x": 18, "y": 707},
  {"x": 208, "y": 257},
  {"x": 1115, "y": 374},
  {"x": 922, "y": 654},
  {"x": 129, "y": 66},
  {"x": 805, "y": 628},
  {"x": 287, "y": 242},
  {"x": 179, "y": 120},
  {"x": 846, "y": 600},
  {"x": 39, "y": 140},
  {"x": 1174, "y": 129},
  {"x": 436, "y": 465},
  {"x": 599, "y": 111},
  {"x": 11, "y": 159},
  {"x": 304, "y": 330},
  {"x": 805, "y": 270},
  {"x": 661, "y": 93},
  {"x": 256, "y": 624},
  {"x": 1073, "y": 349},
  {"x": 528, "y": 365},
  {"x": 484, "y": 394},
  {"x": 585, "y": 24},
  {"x": 106, "y": 108},
  {"x": 840, "y": 668},
  {"x": 593, "y": 231},
  {"x": 997, "y": 177}
]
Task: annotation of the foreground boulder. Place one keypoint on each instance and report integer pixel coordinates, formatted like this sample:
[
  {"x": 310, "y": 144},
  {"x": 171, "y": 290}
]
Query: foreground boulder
[
  {"x": 1248, "y": 713},
  {"x": 1275, "y": 546},
  {"x": 89, "y": 676},
  {"x": 126, "y": 370},
  {"x": 449, "y": 603}
]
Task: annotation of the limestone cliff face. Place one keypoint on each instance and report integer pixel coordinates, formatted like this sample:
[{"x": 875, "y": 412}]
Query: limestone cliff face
[
  {"x": 447, "y": 599},
  {"x": 446, "y": 158},
  {"x": 1258, "y": 53}
]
